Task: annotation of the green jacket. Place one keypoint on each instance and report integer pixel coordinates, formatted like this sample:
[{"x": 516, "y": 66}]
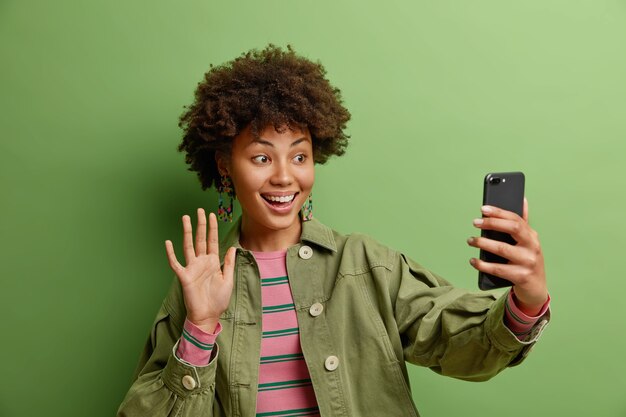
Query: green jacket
[{"x": 363, "y": 310}]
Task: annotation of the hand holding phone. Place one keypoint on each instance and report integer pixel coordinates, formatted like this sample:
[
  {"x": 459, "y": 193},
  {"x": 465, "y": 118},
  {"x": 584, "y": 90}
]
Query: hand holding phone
[
  {"x": 523, "y": 259},
  {"x": 504, "y": 190}
]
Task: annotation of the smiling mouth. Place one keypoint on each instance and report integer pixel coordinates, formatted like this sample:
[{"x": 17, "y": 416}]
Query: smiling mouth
[{"x": 279, "y": 201}]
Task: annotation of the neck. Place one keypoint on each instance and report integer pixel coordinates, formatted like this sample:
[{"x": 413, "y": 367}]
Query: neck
[{"x": 257, "y": 238}]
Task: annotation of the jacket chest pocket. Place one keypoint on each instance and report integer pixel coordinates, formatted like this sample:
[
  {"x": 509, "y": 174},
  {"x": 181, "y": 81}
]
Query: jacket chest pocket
[{"x": 357, "y": 317}]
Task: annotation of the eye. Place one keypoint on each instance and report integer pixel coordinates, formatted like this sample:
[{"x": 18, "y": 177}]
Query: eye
[
  {"x": 300, "y": 158},
  {"x": 261, "y": 159}
]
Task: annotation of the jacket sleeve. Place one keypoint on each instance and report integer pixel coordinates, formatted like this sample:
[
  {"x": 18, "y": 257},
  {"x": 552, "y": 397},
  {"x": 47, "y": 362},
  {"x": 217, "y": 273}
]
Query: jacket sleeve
[
  {"x": 163, "y": 384},
  {"x": 453, "y": 331}
]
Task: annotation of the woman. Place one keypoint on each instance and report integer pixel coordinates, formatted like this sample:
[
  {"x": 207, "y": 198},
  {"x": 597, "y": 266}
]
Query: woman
[{"x": 287, "y": 317}]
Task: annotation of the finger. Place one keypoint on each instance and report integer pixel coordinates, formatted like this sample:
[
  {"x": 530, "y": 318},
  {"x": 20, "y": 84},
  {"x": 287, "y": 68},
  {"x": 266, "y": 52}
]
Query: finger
[
  {"x": 525, "y": 215},
  {"x": 201, "y": 233},
  {"x": 513, "y": 273},
  {"x": 518, "y": 229},
  {"x": 187, "y": 240},
  {"x": 171, "y": 257},
  {"x": 493, "y": 211},
  {"x": 229, "y": 264},
  {"x": 214, "y": 245},
  {"x": 515, "y": 254}
]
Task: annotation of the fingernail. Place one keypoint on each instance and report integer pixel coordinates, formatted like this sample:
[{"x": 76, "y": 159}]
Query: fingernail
[
  {"x": 472, "y": 261},
  {"x": 485, "y": 209},
  {"x": 478, "y": 222},
  {"x": 470, "y": 240}
]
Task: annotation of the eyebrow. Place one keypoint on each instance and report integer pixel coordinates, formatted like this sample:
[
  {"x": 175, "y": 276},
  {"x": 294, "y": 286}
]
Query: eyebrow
[{"x": 262, "y": 141}]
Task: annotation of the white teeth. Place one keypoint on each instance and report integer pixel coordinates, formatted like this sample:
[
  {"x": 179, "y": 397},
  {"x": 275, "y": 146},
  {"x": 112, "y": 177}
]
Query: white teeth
[{"x": 282, "y": 199}]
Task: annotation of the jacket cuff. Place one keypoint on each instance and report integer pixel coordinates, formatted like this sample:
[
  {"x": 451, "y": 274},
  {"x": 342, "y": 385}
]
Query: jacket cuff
[
  {"x": 504, "y": 339},
  {"x": 186, "y": 379}
]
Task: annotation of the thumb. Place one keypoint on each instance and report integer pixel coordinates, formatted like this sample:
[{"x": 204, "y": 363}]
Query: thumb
[
  {"x": 525, "y": 210},
  {"x": 229, "y": 264}
]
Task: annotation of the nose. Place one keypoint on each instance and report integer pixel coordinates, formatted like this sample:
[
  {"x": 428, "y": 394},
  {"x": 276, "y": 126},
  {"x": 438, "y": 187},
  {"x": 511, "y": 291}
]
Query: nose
[{"x": 282, "y": 175}]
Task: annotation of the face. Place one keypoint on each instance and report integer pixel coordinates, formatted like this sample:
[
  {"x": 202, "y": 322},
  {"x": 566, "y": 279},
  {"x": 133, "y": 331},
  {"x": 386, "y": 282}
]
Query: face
[{"x": 273, "y": 176}]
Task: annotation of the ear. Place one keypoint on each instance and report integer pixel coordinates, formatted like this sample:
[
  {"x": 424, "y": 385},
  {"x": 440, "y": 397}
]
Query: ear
[{"x": 223, "y": 163}]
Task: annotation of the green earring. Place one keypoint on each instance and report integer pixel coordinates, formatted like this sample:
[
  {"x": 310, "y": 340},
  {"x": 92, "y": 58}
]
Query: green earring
[
  {"x": 225, "y": 214},
  {"x": 307, "y": 209}
]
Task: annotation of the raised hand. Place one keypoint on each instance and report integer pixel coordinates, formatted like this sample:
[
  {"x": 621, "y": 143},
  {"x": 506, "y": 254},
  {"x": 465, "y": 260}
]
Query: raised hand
[
  {"x": 526, "y": 266},
  {"x": 206, "y": 288}
]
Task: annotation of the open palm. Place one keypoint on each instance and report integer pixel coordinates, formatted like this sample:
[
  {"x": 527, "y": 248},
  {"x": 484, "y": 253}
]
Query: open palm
[{"x": 206, "y": 287}]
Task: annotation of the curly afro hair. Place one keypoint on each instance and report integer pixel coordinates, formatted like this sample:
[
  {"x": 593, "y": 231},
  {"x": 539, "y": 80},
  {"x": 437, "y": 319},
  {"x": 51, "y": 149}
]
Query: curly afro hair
[{"x": 271, "y": 87}]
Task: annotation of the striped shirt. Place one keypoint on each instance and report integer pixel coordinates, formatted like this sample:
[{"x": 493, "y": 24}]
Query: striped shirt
[
  {"x": 284, "y": 382},
  {"x": 519, "y": 323}
]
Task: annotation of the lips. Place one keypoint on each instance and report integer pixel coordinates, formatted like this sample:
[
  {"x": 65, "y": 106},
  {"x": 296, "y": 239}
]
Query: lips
[{"x": 280, "y": 200}]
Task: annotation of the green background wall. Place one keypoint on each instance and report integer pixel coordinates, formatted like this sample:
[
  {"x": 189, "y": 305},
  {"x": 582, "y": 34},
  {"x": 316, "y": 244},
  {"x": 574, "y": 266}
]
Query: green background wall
[{"x": 441, "y": 92}]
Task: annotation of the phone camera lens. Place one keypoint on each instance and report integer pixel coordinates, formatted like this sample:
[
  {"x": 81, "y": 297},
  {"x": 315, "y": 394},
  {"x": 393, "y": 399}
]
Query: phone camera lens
[{"x": 495, "y": 180}]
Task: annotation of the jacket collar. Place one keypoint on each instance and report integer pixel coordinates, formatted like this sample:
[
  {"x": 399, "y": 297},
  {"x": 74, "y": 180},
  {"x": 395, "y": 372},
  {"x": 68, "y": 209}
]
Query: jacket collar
[
  {"x": 319, "y": 234},
  {"x": 312, "y": 232}
]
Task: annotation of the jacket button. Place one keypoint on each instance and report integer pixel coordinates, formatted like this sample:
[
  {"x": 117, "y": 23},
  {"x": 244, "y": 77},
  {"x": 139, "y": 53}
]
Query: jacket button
[
  {"x": 332, "y": 362},
  {"x": 188, "y": 382},
  {"x": 316, "y": 309},
  {"x": 305, "y": 252}
]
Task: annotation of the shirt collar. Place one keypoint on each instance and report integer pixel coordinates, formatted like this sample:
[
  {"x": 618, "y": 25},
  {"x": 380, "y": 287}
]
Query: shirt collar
[{"x": 312, "y": 231}]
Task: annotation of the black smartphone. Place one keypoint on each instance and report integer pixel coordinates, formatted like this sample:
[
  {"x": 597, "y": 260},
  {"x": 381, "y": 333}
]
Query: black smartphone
[{"x": 504, "y": 190}]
